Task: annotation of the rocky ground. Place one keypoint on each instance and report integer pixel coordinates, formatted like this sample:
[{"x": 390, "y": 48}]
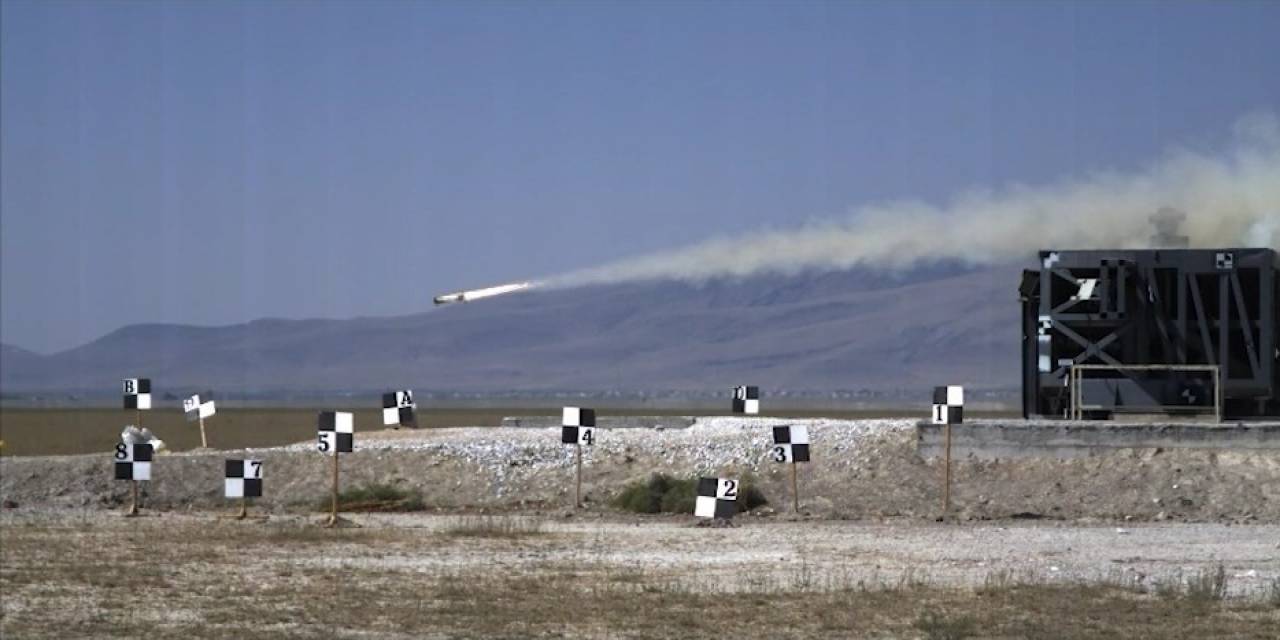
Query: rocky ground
[{"x": 861, "y": 469}]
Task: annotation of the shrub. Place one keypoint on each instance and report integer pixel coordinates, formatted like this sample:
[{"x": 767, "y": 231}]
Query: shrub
[
  {"x": 1208, "y": 586},
  {"x": 936, "y": 626},
  {"x": 662, "y": 493}
]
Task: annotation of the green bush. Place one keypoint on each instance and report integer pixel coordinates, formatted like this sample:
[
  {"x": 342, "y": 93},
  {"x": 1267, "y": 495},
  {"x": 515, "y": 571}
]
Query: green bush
[{"x": 662, "y": 493}]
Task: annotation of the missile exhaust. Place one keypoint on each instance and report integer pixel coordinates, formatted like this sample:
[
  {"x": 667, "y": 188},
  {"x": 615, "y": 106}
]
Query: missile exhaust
[{"x": 477, "y": 294}]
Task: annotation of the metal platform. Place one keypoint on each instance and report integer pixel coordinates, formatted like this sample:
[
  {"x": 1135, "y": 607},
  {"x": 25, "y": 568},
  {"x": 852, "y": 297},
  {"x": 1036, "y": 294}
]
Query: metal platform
[{"x": 1177, "y": 331}]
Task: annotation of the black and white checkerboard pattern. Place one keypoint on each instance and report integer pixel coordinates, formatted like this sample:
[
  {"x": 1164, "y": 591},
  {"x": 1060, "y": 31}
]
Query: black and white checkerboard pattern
[
  {"x": 746, "y": 400},
  {"x": 578, "y": 426},
  {"x": 397, "y": 409},
  {"x": 137, "y": 393},
  {"x": 948, "y": 405},
  {"x": 243, "y": 479},
  {"x": 791, "y": 443},
  {"x": 717, "y": 498},
  {"x": 195, "y": 409},
  {"x": 336, "y": 432},
  {"x": 133, "y": 461}
]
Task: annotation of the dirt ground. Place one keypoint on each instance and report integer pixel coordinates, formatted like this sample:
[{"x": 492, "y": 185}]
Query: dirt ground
[{"x": 92, "y": 573}]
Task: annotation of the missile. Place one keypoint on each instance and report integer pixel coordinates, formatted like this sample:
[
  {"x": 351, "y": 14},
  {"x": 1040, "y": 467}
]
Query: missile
[{"x": 476, "y": 294}]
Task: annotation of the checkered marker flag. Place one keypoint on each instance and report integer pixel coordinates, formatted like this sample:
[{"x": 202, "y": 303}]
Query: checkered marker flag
[
  {"x": 717, "y": 498},
  {"x": 243, "y": 479},
  {"x": 791, "y": 444},
  {"x": 948, "y": 405},
  {"x": 137, "y": 393},
  {"x": 336, "y": 432},
  {"x": 397, "y": 409},
  {"x": 197, "y": 410},
  {"x": 133, "y": 461},
  {"x": 746, "y": 400},
  {"x": 578, "y": 426}
]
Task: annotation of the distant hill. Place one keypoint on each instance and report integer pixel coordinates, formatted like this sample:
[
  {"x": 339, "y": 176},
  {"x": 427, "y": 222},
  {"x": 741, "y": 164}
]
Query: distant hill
[{"x": 830, "y": 331}]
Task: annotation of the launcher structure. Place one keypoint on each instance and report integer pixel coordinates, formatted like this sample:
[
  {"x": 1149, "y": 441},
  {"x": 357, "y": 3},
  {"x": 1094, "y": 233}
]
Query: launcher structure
[{"x": 1152, "y": 331}]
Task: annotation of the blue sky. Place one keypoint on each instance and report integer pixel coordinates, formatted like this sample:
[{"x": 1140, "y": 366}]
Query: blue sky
[{"x": 212, "y": 163}]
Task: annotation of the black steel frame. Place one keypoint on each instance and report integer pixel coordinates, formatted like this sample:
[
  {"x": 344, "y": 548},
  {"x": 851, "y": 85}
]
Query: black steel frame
[{"x": 1153, "y": 307}]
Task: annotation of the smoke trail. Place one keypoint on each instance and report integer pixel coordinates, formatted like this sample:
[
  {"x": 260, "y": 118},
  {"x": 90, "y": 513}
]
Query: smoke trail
[{"x": 1231, "y": 199}]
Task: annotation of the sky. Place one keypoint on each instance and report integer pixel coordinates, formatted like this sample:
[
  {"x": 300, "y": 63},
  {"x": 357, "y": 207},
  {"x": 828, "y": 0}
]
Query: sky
[{"x": 213, "y": 163}]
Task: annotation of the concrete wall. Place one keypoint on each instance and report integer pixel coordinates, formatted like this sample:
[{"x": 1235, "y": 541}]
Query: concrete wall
[
  {"x": 605, "y": 422},
  {"x": 990, "y": 439}
]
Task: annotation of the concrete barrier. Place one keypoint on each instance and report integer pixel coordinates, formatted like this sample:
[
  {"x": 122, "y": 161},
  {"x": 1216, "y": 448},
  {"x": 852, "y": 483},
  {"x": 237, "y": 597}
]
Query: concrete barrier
[
  {"x": 605, "y": 422},
  {"x": 991, "y": 439}
]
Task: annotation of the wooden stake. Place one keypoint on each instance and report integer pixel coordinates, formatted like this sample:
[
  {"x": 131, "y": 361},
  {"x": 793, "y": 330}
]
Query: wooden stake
[
  {"x": 946, "y": 491},
  {"x": 795, "y": 490},
  {"x": 243, "y": 513},
  {"x": 333, "y": 512},
  {"x": 133, "y": 502},
  {"x": 577, "y": 489},
  {"x": 204, "y": 443}
]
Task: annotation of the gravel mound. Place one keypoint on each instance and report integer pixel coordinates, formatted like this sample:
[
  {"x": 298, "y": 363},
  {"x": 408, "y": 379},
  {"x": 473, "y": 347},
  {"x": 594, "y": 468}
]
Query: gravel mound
[{"x": 862, "y": 469}]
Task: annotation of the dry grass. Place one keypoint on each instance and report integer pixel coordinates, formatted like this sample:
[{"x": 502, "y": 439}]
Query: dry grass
[
  {"x": 375, "y": 498},
  {"x": 503, "y": 527},
  {"x": 186, "y": 577}
]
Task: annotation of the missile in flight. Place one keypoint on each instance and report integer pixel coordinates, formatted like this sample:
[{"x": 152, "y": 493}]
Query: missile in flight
[{"x": 476, "y": 294}]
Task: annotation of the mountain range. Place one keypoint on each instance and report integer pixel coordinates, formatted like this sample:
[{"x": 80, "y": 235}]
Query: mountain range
[{"x": 859, "y": 329}]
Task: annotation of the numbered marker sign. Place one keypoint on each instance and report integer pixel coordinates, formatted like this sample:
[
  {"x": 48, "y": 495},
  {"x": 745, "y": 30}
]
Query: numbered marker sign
[
  {"x": 578, "y": 426},
  {"x": 791, "y": 444},
  {"x": 717, "y": 498},
  {"x": 746, "y": 400},
  {"x": 397, "y": 409},
  {"x": 948, "y": 405},
  {"x": 137, "y": 393},
  {"x": 336, "y": 433},
  {"x": 133, "y": 461},
  {"x": 197, "y": 410},
  {"x": 243, "y": 479}
]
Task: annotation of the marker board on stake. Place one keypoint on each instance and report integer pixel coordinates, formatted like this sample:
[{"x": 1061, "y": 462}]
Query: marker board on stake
[
  {"x": 133, "y": 461},
  {"x": 243, "y": 479},
  {"x": 335, "y": 435},
  {"x": 717, "y": 498},
  {"x": 335, "y": 432},
  {"x": 746, "y": 400},
  {"x": 194, "y": 409},
  {"x": 137, "y": 393},
  {"x": 948, "y": 405},
  {"x": 578, "y": 427},
  {"x": 791, "y": 443},
  {"x": 197, "y": 411},
  {"x": 948, "y": 409},
  {"x": 398, "y": 409}
]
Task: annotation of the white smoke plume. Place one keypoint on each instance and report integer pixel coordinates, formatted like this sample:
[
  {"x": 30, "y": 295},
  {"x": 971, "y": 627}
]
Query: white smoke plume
[{"x": 1231, "y": 198}]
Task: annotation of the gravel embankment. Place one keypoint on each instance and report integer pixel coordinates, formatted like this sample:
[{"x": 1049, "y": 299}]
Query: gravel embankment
[{"x": 862, "y": 469}]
